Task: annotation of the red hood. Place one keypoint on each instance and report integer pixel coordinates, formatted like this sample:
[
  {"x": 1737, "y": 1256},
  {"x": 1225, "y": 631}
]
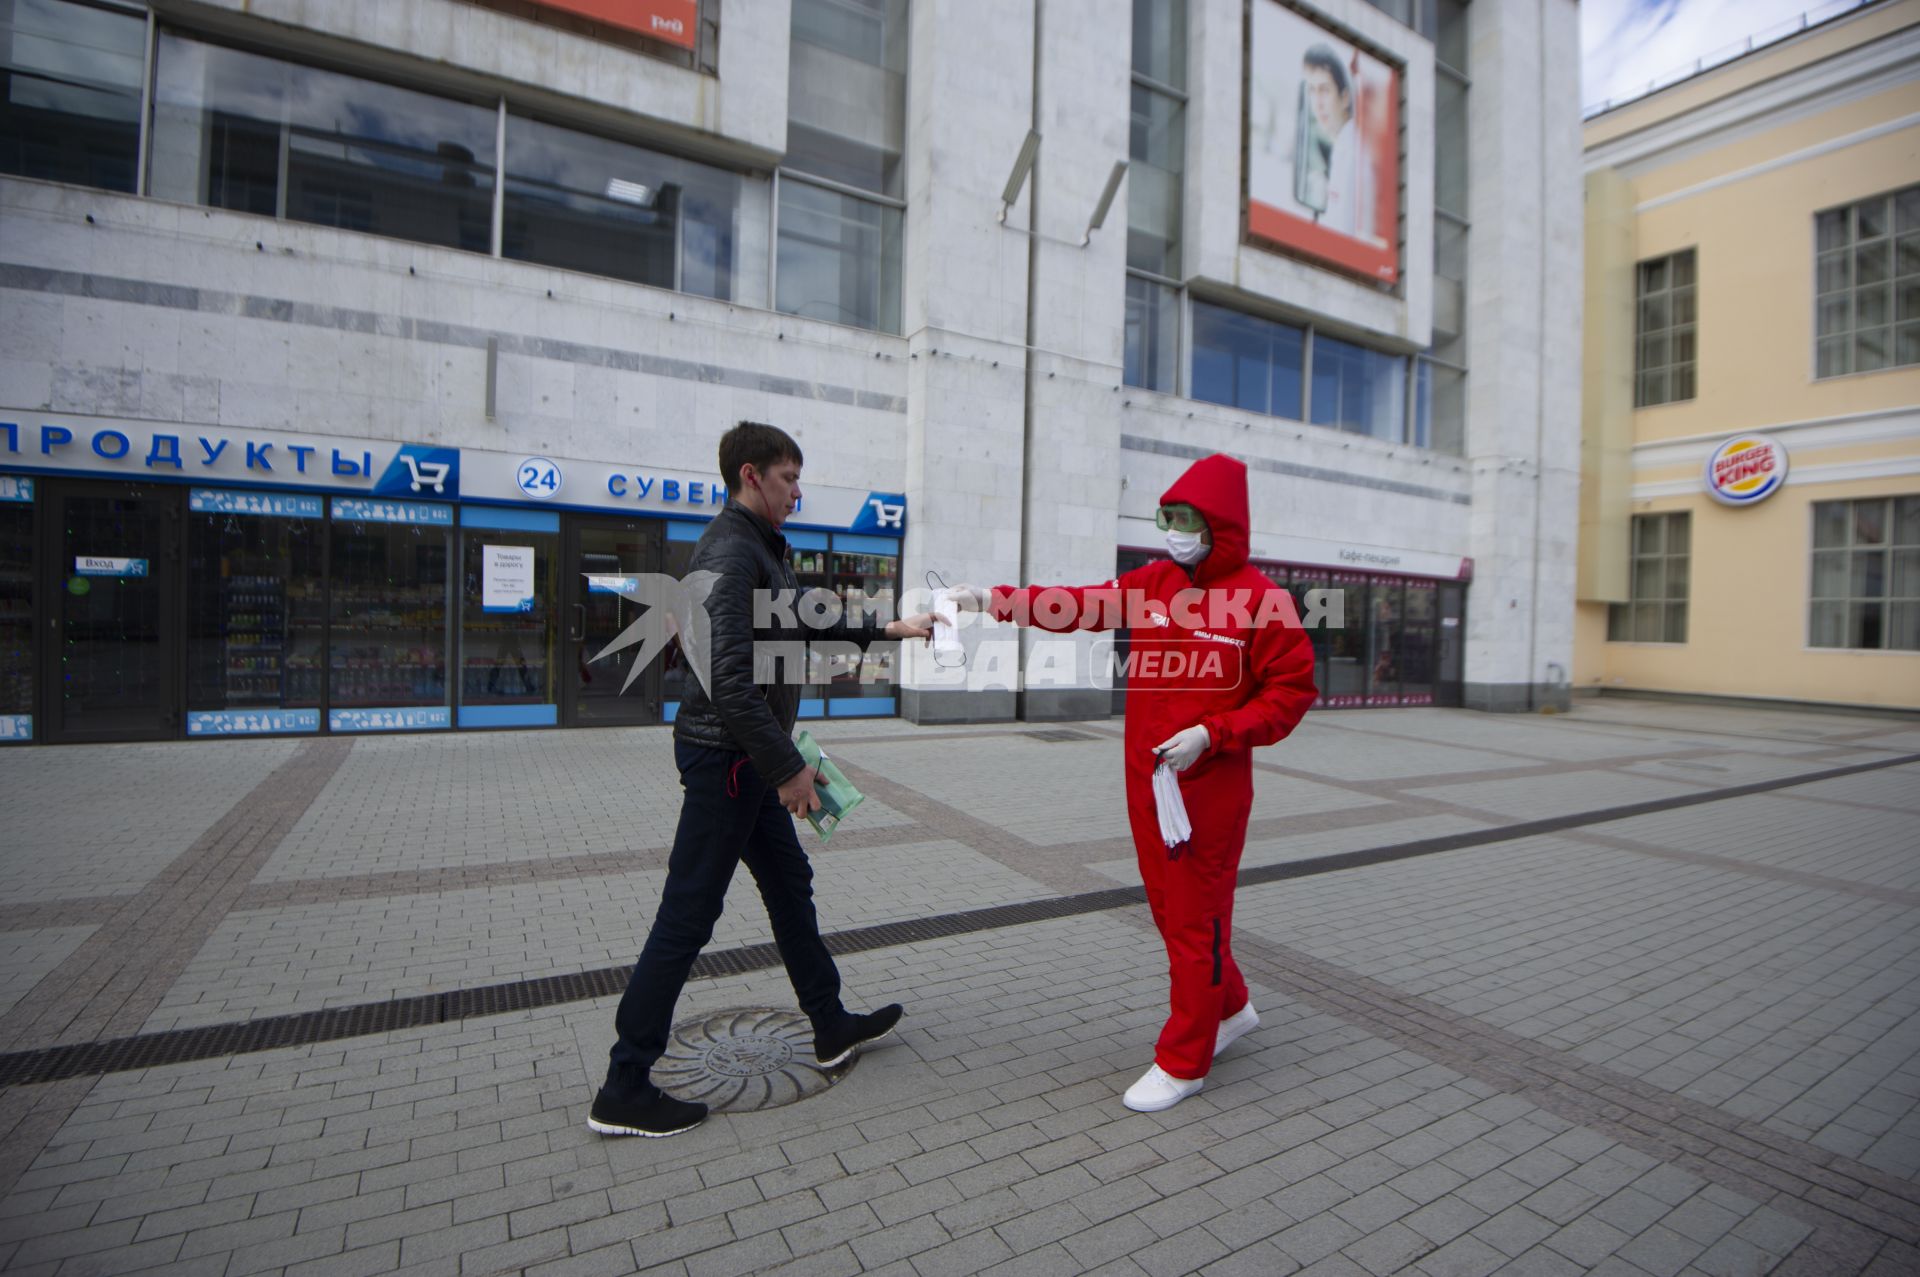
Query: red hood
[{"x": 1216, "y": 486}]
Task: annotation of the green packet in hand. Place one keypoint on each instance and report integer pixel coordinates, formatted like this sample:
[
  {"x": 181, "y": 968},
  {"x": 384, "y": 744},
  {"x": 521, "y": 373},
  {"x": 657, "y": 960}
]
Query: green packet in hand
[{"x": 836, "y": 793}]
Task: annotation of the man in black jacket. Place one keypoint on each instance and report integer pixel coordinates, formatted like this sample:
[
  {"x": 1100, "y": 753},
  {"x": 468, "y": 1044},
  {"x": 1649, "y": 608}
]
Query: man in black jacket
[{"x": 744, "y": 783}]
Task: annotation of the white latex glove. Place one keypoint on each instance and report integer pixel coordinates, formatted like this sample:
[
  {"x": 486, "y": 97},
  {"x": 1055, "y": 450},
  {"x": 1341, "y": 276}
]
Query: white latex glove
[
  {"x": 969, "y": 598},
  {"x": 1183, "y": 749}
]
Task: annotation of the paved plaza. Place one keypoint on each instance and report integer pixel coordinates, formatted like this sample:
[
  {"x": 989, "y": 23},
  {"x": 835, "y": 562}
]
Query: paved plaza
[{"x": 1631, "y": 990}]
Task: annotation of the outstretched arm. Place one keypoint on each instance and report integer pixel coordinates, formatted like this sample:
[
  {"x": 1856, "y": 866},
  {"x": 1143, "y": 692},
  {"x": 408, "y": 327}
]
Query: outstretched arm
[{"x": 1059, "y": 608}]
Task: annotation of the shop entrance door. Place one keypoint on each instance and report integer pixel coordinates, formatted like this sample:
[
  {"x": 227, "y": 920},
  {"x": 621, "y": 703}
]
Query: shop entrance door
[
  {"x": 599, "y": 552},
  {"x": 111, "y": 579},
  {"x": 1450, "y": 645}
]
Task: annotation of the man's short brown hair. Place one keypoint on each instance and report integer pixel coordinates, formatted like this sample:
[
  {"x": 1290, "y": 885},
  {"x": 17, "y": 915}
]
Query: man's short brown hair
[{"x": 756, "y": 444}]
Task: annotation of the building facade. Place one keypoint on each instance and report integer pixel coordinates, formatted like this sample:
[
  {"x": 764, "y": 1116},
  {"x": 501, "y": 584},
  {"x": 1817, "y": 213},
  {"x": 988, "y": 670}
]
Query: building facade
[
  {"x": 356, "y": 360},
  {"x": 1750, "y": 504}
]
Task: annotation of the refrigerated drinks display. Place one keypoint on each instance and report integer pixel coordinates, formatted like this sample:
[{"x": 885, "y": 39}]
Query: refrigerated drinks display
[
  {"x": 389, "y": 603},
  {"x": 16, "y": 607},
  {"x": 865, "y": 573},
  {"x": 256, "y": 617}
]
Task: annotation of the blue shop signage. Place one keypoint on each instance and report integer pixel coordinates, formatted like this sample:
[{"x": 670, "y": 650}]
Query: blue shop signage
[
  {"x": 144, "y": 450},
  {"x": 238, "y": 471},
  {"x": 401, "y": 719},
  {"x": 251, "y": 722}
]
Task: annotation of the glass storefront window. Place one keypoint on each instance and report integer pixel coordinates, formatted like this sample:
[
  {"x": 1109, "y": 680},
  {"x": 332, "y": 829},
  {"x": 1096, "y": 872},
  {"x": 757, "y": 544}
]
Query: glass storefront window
[
  {"x": 1300, "y": 582},
  {"x": 70, "y": 111},
  {"x": 1358, "y": 390},
  {"x": 508, "y": 611},
  {"x": 1417, "y": 643},
  {"x": 847, "y": 92},
  {"x": 16, "y": 607},
  {"x": 240, "y": 131},
  {"x": 590, "y": 204},
  {"x": 1244, "y": 361},
  {"x": 1153, "y": 335},
  {"x": 1157, "y": 147},
  {"x": 256, "y": 618},
  {"x": 813, "y": 567},
  {"x": 389, "y": 603},
  {"x": 1384, "y": 636},
  {"x": 839, "y": 257},
  {"x": 676, "y": 676},
  {"x": 866, "y": 573},
  {"x": 1344, "y": 679}
]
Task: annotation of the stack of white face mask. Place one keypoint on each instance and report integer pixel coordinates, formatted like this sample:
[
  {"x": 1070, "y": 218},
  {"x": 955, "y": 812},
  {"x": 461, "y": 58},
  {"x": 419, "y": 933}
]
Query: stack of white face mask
[{"x": 1174, "y": 827}]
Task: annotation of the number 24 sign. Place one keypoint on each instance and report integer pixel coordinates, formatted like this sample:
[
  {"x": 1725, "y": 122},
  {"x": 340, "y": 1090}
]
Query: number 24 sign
[{"x": 539, "y": 478}]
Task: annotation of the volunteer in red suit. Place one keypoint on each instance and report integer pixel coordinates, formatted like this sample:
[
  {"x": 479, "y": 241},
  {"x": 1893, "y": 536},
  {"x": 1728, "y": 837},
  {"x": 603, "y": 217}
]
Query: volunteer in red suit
[{"x": 1203, "y": 717}]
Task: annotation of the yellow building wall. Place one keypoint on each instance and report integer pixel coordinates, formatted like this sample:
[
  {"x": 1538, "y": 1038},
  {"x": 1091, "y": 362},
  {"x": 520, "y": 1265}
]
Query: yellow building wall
[
  {"x": 1747, "y": 610},
  {"x": 1747, "y": 207},
  {"x": 1754, "y": 250}
]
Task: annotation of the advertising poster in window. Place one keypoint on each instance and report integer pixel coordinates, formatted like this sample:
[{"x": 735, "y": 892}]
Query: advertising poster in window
[
  {"x": 506, "y": 578},
  {"x": 674, "y": 21},
  {"x": 1323, "y": 144}
]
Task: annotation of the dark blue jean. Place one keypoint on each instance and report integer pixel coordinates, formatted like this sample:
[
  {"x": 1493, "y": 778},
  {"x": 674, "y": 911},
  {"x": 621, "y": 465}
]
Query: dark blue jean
[{"x": 728, "y": 815}]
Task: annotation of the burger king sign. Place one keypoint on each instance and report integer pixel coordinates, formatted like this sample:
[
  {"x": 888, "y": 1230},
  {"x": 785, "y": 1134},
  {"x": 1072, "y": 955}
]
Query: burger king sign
[{"x": 1746, "y": 470}]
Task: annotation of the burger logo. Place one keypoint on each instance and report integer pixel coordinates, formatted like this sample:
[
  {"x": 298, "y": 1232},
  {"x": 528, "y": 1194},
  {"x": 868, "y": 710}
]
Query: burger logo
[{"x": 1746, "y": 470}]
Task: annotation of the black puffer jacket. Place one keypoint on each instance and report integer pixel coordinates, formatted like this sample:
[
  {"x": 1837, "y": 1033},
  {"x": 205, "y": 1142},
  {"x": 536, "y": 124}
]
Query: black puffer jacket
[{"x": 750, "y": 555}]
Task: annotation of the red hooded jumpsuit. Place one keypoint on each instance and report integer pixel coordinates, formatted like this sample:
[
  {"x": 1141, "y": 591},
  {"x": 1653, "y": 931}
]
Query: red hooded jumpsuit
[{"x": 1254, "y": 690}]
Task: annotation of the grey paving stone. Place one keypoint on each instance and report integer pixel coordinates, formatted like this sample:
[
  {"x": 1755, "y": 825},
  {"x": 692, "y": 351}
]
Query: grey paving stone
[
  {"x": 832, "y": 1229},
  {"x": 1661, "y": 1251},
  {"x": 1462, "y": 1257},
  {"x": 1180, "y": 1253},
  {"x": 1587, "y": 1241},
  {"x": 1445, "y": 1218},
  {"x": 1262, "y": 1259},
  {"x": 899, "y": 1241},
  {"x": 963, "y": 1256},
  {"x": 284, "y": 1251},
  {"x": 1316, "y": 1237}
]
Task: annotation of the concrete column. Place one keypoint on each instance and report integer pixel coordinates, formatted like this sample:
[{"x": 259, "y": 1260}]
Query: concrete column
[
  {"x": 1013, "y": 471},
  {"x": 1523, "y": 300}
]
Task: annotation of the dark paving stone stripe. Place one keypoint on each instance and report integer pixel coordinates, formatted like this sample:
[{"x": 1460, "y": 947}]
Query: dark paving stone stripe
[
  {"x": 117, "y": 977},
  {"x": 506, "y": 873},
  {"x": 176, "y": 1046},
  {"x": 1857, "y": 1213},
  {"x": 1706, "y": 860},
  {"x": 77, "y": 912}
]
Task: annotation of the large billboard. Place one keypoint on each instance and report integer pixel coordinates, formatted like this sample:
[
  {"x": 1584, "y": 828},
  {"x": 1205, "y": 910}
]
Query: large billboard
[
  {"x": 1323, "y": 144},
  {"x": 674, "y": 21}
]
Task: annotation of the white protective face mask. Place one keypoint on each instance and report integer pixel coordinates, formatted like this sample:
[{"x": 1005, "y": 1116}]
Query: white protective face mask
[{"x": 1186, "y": 547}]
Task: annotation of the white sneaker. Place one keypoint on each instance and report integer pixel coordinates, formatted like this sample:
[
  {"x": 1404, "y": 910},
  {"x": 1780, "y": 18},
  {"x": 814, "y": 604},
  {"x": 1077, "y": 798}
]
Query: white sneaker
[
  {"x": 1158, "y": 1089},
  {"x": 1235, "y": 1027}
]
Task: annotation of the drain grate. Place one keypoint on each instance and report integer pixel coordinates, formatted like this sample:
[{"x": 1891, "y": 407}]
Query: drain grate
[
  {"x": 1057, "y": 735},
  {"x": 745, "y": 1059},
  {"x": 180, "y": 1046}
]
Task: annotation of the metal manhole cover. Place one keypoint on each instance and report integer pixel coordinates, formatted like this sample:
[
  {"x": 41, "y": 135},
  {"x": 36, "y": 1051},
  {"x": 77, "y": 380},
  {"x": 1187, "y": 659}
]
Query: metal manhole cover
[
  {"x": 745, "y": 1059},
  {"x": 1058, "y": 735}
]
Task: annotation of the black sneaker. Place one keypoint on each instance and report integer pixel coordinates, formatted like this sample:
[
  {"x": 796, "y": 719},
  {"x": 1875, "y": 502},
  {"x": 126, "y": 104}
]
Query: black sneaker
[
  {"x": 838, "y": 1045},
  {"x": 657, "y": 1115}
]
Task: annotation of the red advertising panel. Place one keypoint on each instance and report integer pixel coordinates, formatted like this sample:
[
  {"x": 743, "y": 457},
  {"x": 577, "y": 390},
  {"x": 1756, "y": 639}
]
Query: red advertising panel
[
  {"x": 671, "y": 21},
  {"x": 1323, "y": 144}
]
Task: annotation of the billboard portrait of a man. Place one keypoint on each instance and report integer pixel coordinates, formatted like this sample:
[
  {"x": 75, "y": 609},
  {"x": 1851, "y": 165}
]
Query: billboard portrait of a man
[{"x": 1322, "y": 144}]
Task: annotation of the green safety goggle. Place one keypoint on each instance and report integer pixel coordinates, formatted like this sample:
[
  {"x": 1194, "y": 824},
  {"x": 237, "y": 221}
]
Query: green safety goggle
[{"x": 1179, "y": 518}]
